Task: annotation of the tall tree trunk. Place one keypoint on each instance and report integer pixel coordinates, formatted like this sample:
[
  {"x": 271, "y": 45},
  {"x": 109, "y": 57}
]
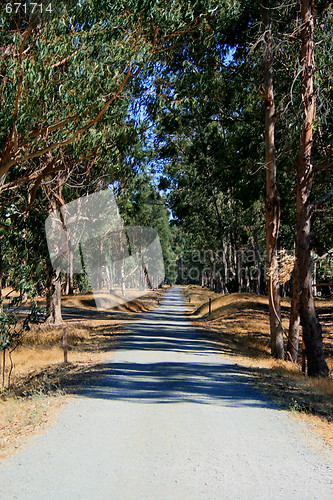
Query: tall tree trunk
[
  {"x": 108, "y": 271},
  {"x": 122, "y": 265},
  {"x": 272, "y": 199},
  {"x": 312, "y": 333}
]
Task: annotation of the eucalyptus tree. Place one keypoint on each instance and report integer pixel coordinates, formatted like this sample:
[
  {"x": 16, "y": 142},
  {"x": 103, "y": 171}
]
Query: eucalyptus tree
[
  {"x": 211, "y": 171},
  {"x": 272, "y": 198},
  {"x": 312, "y": 333},
  {"x": 141, "y": 204},
  {"x": 208, "y": 110}
]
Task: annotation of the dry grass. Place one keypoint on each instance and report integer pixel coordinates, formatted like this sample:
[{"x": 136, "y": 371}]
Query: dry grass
[
  {"x": 38, "y": 374},
  {"x": 42, "y": 347},
  {"x": 86, "y": 338},
  {"x": 22, "y": 417},
  {"x": 240, "y": 324}
]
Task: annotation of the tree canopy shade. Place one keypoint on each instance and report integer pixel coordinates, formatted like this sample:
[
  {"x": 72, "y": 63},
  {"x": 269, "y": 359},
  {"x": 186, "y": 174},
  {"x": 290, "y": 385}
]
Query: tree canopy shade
[{"x": 97, "y": 92}]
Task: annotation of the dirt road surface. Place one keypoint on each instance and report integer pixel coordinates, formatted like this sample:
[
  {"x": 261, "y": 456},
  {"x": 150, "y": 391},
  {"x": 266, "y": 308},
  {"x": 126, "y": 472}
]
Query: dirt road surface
[{"x": 169, "y": 418}]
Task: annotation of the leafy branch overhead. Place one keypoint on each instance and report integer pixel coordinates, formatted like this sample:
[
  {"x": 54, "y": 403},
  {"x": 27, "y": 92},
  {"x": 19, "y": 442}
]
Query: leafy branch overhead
[{"x": 64, "y": 77}]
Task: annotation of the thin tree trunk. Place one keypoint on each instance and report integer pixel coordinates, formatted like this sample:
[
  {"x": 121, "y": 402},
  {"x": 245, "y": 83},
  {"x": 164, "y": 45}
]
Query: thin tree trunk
[
  {"x": 1, "y": 276},
  {"x": 312, "y": 333},
  {"x": 314, "y": 281},
  {"x": 53, "y": 299},
  {"x": 259, "y": 271},
  {"x": 272, "y": 199},
  {"x": 66, "y": 287},
  {"x": 236, "y": 266},
  {"x": 224, "y": 267},
  {"x": 260, "y": 277},
  {"x": 99, "y": 279},
  {"x": 122, "y": 267},
  {"x": 3, "y": 368},
  {"x": 294, "y": 322},
  {"x": 70, "y": 275},
  {"x": 108, "y": 273}
]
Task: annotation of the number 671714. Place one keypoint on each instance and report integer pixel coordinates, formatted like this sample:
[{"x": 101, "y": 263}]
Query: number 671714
[{"x": 28, "y": 8}]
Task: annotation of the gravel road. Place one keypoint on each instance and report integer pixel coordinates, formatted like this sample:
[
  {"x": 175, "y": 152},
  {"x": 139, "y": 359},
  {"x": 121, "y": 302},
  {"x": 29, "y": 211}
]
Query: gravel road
[{"x": 170, "y": 418}]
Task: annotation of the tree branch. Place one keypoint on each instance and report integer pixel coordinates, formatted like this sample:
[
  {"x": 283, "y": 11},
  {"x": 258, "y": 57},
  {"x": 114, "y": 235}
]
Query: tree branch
[
  {"x": 15, "y": 161},
  {"x": 323, "y": 198},
  {"x": 59, "y": 63},
  {"x": 52, "y": 128}
]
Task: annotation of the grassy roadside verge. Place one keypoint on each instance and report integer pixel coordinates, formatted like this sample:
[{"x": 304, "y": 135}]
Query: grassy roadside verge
[
  {"x": 240, "y": 324},
  {"x": 39, "y": 371}
]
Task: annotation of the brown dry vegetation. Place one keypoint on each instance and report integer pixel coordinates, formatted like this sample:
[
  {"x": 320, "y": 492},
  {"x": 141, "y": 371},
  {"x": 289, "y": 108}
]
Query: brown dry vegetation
[
  {"x": 39, "y": 369},
  {"x": 240, "y": 324}
]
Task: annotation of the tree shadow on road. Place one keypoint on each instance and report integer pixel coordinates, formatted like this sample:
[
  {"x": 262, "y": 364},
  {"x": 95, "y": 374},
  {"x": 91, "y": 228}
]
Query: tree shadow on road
[
  {"x": 183, "y": 371},
  {"x": 173, "y": 363},
  {"x": 170, "y": 382}
]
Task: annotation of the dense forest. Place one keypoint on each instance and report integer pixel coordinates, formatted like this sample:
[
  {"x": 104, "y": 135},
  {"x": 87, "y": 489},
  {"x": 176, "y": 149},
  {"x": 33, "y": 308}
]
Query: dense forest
[{"x": 210, "y": 121}]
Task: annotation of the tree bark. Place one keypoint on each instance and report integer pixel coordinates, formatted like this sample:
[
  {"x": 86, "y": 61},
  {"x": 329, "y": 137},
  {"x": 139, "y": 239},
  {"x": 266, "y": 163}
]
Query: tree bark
[
  {"x": 272, "y": 199},
  {"x": 53, "y": 299},
  {"x": 109, "y": 275},
  {"x": 122, "y": 265},
  {"x": 1, "y": 276},
  {"x": 312, "y": 332}
]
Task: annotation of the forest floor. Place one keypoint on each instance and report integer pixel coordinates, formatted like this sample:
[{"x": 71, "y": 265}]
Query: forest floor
[{"x": 239, "y": 322}]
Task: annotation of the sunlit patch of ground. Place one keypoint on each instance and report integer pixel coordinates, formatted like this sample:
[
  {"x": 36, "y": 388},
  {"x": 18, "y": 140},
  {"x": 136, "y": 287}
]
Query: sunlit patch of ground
[{"x": 240, "y": 324}]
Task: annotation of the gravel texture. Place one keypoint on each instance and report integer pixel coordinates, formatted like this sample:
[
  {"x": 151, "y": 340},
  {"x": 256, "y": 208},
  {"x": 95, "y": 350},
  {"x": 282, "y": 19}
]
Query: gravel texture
[{"x": 170, "y": 418}]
